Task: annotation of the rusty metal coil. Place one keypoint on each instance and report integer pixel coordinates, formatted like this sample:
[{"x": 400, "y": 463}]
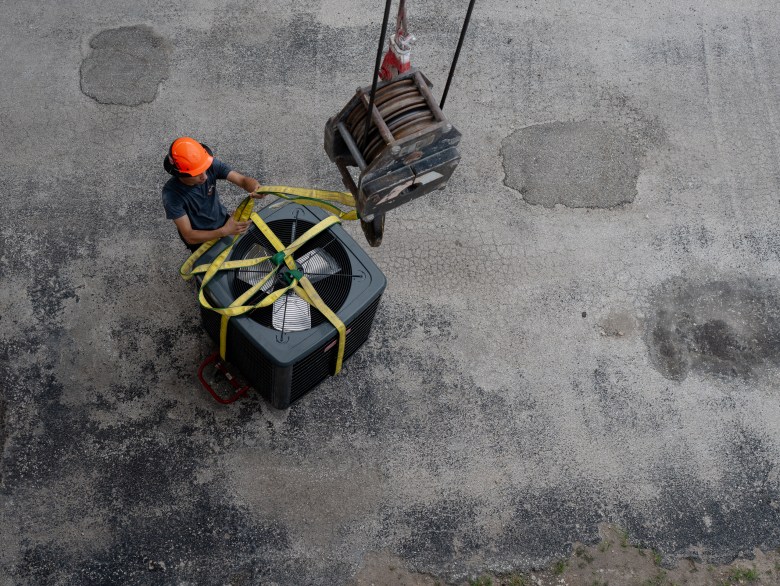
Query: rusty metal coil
[{"x": 403, "y": 109}]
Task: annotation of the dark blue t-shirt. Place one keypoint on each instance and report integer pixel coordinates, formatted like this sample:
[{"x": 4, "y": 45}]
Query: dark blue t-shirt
[{"x": 199, "y": 202}]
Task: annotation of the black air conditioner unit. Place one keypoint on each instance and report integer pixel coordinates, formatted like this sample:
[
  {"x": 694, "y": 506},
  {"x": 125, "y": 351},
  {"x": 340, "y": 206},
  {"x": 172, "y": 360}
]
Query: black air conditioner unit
[{"x": 287, "y": 349}]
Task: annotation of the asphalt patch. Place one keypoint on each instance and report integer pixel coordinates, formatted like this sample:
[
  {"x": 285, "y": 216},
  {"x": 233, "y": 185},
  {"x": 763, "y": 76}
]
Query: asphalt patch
[
  {"x": 723, "y": 328},
  {"x": 576, "y": 164},
  {"x": 126, "y": 66}
]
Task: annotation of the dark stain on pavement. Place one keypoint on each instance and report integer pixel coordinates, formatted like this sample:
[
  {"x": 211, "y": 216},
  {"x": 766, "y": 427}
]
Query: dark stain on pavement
[
  {"x": 394, "y": 360},
  {"x": 536, "y": 526},
  {"x": 305, "y": 43},
  {"x": 684, "y": 239},
  {"x": 721, "y": 328},
  {"x": 3, "y": 435},
  {"x": 37, "y": 453},
  {"x": 550, "y": 517},
  {"x": 126, "y": 66},
  {"x": 390, "y": 348},
  {"x": 765, "y": 246},
  {"x": 446, "y": 530},
  {"x": 182, "y": 543},
  {"x": 719, "y": 524},
  {"x": 136, "y": 485}
]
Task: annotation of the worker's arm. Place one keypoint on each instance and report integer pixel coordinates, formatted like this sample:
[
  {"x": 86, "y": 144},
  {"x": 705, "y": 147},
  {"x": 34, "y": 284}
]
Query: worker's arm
[
  {"x": 192, "y": 236},
  {"x": 245, "y": 183}
]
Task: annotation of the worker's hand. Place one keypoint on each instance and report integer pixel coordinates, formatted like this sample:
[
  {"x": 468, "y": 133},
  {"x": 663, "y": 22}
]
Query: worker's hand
[
  {"x": 233, "y": 228},
  {"x": 257, "y": 195},
  {"x": 251, "y": 185}
]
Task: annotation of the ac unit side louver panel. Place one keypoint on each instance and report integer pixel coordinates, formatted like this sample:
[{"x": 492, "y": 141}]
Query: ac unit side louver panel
[{"x": 287, "y": 349}]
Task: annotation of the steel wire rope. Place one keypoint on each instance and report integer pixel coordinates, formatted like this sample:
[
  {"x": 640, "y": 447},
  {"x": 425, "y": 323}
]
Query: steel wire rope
[{"x": 457, "y": 53}]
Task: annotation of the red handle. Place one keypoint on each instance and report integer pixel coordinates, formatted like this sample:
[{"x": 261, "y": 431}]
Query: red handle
[{"x": 240, "y": 391}]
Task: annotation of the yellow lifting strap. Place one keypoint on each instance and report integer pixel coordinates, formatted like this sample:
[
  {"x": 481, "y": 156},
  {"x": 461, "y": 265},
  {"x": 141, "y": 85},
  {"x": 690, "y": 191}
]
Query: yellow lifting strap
[
  {"x": 302, "y": 286},
  {"x": 315, "y": 197},
  {"x": 242, "y": 214}
]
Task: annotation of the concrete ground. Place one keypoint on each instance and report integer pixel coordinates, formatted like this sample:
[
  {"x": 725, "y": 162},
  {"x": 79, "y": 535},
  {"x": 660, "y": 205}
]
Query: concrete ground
[{"x": 583, "y": 328}]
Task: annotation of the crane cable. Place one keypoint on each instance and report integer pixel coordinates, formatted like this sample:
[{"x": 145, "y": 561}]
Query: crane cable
[{"x": 463, "y": 30}]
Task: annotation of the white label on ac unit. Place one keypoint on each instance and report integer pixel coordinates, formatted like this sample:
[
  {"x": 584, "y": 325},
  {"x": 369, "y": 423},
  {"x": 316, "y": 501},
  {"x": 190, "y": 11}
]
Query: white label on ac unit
[{"x": 428, "y": 177}]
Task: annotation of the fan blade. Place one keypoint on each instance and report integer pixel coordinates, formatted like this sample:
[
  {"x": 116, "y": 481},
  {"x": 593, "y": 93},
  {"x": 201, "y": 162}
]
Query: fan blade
[
  {"x": 253, "y": 275},
  {"x": 291, "y": 314},
  {"x": 320, "y": 262}
]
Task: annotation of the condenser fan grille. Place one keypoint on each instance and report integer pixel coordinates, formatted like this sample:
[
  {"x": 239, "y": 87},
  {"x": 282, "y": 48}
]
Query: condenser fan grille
[{"x": 322, "y": 259}]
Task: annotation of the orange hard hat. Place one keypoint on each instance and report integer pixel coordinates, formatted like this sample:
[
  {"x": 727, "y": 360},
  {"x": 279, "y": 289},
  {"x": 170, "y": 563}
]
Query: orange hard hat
[{"x": 189, "y": 157}]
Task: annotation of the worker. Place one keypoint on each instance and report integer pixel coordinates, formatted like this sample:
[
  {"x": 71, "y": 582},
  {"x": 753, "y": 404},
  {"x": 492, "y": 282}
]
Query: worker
[{"x": 190, "y": 197}]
